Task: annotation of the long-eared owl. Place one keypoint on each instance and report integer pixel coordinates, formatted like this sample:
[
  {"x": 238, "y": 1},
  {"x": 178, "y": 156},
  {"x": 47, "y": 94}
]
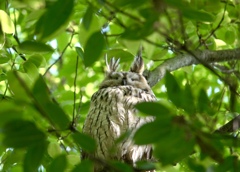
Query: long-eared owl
[{"x": 112, "y": 114}]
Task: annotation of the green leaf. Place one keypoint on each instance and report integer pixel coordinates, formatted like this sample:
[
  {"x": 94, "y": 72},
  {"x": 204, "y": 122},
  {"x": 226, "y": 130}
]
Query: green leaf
[
  {"x": 230, "y": 36},
  {"x": 197, "y": 15},
  {"x": 195, "y": 166},
  {"x": 145, "y": 165},
  {"x": 58, "y": 164},
  {"x": 187, "y": 100},
  {"x": 34, "y": 47},
  {"x": 120, "y": 53},
  {"x": 86, "y": 142},
  {"x": 93, "y": 48},
  {"x": 121, "y": 167},
  {"x": 136, "y": 31},
  {"x": 47, "y": 107},
  {"x": 153, "y": 108},
  {"x": 6, "y": 23},
  {"x": 231, "y": 163},
  {"x": 152, "y": 132},
  {"x": 19, "y": 83},
  {"x": 85, "y": 165},
  {"x": 55, "y": 17},
  {"x": 54, "y": 149},
  {"x": 10, "y": 157},
  {"x": 31, "y": 70},
  {"x": 191, "y": 13},
  {"x": 133, "y": 4},
  {"x": 40, "y": 90},
  {"x": 34, "y": 157},
  {"x": 203, "y": 102},
  {"x": 175, "y": 3},
  {"x": 84, "y": 34},
  {"x": 4, "y": 58},
  {"x": 174, "y": 91},
  {"x": 9, "y": 111},
  {"x": 87, "y": 18},
  {"x": 56, "y": 115},
  {"x": 174, "y": 146},
  {"x": 80, "y": 52},
  {"x": 38, "y": 60},
  {"x": 21, "y": 133}
]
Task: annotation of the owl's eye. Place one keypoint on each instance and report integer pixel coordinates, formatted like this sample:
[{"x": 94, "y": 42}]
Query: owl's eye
[
  {"x": 134, "y": 79},
  {"x": 115, "y": 76}
]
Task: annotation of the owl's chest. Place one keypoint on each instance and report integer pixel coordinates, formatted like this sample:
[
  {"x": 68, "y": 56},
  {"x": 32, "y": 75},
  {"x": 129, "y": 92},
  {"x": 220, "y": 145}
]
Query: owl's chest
[
  {"x": 113, "y": 108},
  {"x": 117, "y": 107}
]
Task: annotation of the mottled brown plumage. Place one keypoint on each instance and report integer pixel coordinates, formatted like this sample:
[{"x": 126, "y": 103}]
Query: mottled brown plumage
[{"x": 112, "y": 114}]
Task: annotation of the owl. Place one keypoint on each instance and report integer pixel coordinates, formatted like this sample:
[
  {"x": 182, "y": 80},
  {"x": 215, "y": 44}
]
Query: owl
[{"x": 112, "y": 114}]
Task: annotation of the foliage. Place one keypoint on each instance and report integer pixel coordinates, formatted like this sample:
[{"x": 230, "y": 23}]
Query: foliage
[{"x": 51, "y": 62}]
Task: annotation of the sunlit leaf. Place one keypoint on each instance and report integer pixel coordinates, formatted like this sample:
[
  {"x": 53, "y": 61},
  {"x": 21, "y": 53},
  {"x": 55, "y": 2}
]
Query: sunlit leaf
[
  {"x": 230, "y": 36},
  {"x": 6, "y": 23},
  {"x": 93, "y": 48},
  {"x": 54, "y": 149},
  {"x": 4, "y": 58},
  {"x": 31, "y": 70},
  {"x": 73, "y": 159}
]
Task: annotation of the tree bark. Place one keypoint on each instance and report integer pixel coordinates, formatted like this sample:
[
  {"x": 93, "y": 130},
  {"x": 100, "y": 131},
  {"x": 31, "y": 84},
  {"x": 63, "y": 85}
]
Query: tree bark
[
  {"x": 196, "y": 57},
  {"x": 230, "y": 127}
]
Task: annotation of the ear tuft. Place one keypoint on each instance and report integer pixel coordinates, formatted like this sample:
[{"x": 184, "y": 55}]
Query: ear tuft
[
  {"x": 138, "y": 64},
  {"x": 113, "y": 65}
]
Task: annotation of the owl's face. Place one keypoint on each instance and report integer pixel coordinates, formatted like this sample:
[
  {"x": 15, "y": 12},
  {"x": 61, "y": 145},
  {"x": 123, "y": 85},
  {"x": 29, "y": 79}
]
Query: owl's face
[{"x": 134, "y": 77}]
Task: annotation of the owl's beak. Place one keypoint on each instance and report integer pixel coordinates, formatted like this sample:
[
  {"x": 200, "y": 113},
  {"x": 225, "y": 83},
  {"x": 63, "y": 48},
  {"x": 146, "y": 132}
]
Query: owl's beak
[{"x": 124, "y": 81}]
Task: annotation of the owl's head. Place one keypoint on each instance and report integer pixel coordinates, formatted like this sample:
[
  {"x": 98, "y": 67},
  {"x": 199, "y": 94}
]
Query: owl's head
[{"x": 134, "y": 77}]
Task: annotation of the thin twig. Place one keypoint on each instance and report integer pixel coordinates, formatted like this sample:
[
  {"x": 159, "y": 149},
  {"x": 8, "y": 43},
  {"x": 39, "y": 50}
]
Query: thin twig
[
  {"x": 60, "y": 57},
  {"x": 80, "y": 102},
  {"x": 230, "y": 127},
  {"x": 74, "y": 94},
  {"x": 15, "y": 36},
  {"x": 217, "y": 27},
  {"x": 123, "y": 12}
]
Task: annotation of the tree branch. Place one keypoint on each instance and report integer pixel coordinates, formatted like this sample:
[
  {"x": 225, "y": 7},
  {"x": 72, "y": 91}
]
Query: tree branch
[
  {"x": 182, "y": 60},
  {"x": 229, "y": 127}
]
